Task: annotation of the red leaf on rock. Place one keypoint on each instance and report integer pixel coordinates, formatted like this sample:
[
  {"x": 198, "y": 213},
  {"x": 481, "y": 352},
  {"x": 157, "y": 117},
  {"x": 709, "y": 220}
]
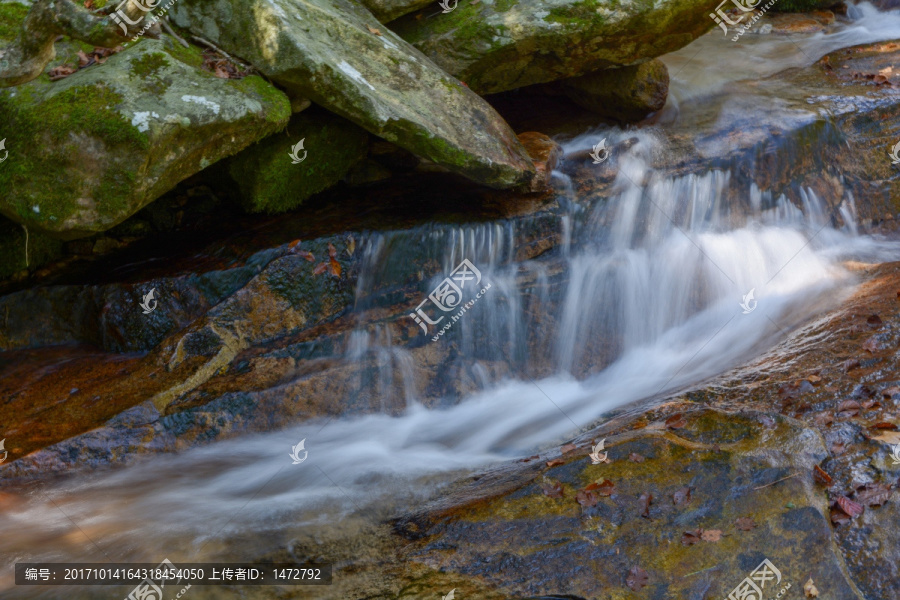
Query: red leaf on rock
[
  {"x": 676, "y": 421},
  {"x": 689, "y": 538},
  {"x": 307, "y": 255},
  {"x": 838, "y": 516},
  {"x": 334, "y": 267},
  {"x": 711, "y": 535},
  {"x": 885, "y": 425},
  {"x": 646, "y": 499},
  {"x": 745, "y": 524},
  {"x": 604, "y": 488},
  {"x": 565, "y": 449},
  {"x": 320, "y": 269},
  {"x": 821, "y": 476},
  {"x": 850, "y": 507},
  {"x": 874, "y": 494},
  {"x": 293, "y": 244},
  {"x": 60, "y": 72},
  {"x": 553, "y": 490},
  {"x": 586, "y": 498},
  {"x": 637, "y": 578}
]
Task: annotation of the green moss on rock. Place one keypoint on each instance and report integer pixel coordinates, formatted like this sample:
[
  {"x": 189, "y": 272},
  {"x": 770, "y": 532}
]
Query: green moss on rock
[
  {"x": 270, "y": 182},
  {"x": 11, "y": 17}
]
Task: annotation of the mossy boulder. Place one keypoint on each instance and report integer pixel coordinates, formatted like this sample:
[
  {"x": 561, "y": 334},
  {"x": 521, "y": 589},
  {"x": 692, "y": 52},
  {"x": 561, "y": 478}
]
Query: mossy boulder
[
  {"x": 499, "y": 45},
  {"x": 90, "y": 150},
  {"x": 338, "y": 55},
  {"x": 625, "y": 94},
  {"x": 270, "y": 181}
]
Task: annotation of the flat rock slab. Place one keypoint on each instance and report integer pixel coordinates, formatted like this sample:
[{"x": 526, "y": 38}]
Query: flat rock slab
[
  {"x": 337, "y": 54},
  {"x": 90, "y": 150},
  {"x": 687, "y": 513}
]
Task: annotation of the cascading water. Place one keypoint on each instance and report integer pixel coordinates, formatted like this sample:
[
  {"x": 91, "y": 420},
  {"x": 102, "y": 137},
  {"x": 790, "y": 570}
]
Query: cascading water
[{"x": 640, "y": 298}]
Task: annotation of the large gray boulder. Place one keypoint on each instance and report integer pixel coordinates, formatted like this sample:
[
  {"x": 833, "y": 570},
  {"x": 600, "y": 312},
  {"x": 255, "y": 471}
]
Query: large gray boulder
[
  {"x": 336, "y": 53},
  {"x": 88, "y": 151},
  {"x": 498, "y": 45}
]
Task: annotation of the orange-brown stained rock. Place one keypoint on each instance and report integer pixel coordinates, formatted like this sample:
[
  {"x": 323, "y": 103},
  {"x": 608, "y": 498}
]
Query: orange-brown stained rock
[{"x": 544, "y": 153}]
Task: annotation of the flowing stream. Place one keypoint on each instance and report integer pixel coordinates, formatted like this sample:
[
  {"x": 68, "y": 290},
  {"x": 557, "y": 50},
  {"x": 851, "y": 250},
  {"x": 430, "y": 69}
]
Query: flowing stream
[{"x": 650, "y": 304}]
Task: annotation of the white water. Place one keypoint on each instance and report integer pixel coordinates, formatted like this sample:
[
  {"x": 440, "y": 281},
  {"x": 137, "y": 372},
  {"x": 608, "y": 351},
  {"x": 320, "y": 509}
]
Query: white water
[
  {"x": 658, "y": 272},
  {"x": 669, "y": 290}
]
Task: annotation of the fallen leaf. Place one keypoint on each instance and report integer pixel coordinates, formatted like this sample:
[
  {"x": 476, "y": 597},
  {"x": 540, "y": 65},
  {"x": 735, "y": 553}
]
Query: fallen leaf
[
  {"x": 851, "y": 364},
  {"x": 676, "y": 421},
  {"x": 351, "y": 245},
  {"x": 848, "y": 405},
  {"x": 307, "y": 255},
  {"x": 682, "y": 496},
  {"x": 320, "y": 269},
  {"x": 373, "y": 30},
  {"x": 823, "y": 419},
  {"x": 885, "y": 425},
  {"x": 838, "y": 516},
  {"x": 635, "y": 457},
  {"x": 745, "y": 524},
  {"x": 814, "y": 379},
  {"x": 646, "y": 499},
  {"x": 334, "y": 267},
  {"x": 711, "y": 535},
  {"x": 637, "y": 578},
  {"x": 555, "y": 462},
  {"x": 874, "y": 494},
  {"x": 587, "y": 498},
  {"x": 850, "y": 507},
  {"x": 60, "y": 72},
  {"x": 689, "y": 538},
  {"x": 293, "y": 244},
  {"x": 84, "y": 60},
  {"x": 810, "y": 590},
  {"x": 566, "y": 448},
  {"x": 553, "y": 490},
  {"x": 603, "y": 488},
  {"x": 821, "y": 476},
  {"x": 838, "y": 448},
  {"x": 888, "y": 437}
]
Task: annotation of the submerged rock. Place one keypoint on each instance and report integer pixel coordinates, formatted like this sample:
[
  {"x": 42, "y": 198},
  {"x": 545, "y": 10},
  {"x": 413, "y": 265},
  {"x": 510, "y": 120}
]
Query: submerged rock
[
  {"x": 499, "y": 46},
  {"x": 271, "y": 181},
  {"x": 626, "y": 94},
  {"x": 87, "y": 152},
  {"x": 337, "y": 54}
]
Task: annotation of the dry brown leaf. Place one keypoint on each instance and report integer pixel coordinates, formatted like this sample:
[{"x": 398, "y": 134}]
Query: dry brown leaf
[
  {"x": 874, "y": 494},
  {"x": 635, "y": 457},
  {"x": 553, "y": 490},
  {"x": 809, "y": 588},
  {"x": 888, "y": 437},
  {"x": 320, "y": 269},
  {"x": 60, "y": 72},
  {"x": 885, "y": 425},
  {"x": 603, "y": 488},
  {"x": 871, "y": 345},
  {"x": 745, "y": 524},
  {"x": 850, "y": 507},
  {"x": 689, "y": 538},
  {"x": 711, "y": 535},
  {"x": 373, "y": 30},
  {"x": 586, "y": 498},
  {"x": 566, "y": 448},
  {"x": 676, "y": 421},
  {"x": 821, "y": 476},
  {"x": 637, "y": 578}
]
